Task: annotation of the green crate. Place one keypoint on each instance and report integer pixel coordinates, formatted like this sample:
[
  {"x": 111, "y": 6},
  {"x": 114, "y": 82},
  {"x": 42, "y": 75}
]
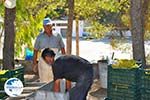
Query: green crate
[
  {"x": 123, "y": 98},
  {"x": 145, "y": 84},
  {"x": 145, "y": 94},
  {"x": 123, "y": 76},
  {"x": 123, "y": 92},
  {"x": 124, "y": 88},
  {"x": 17, "y": 73},
  {"x": 6, "y": 75},
  {"x": 3, "y": 96},
  {"x": 145, "y": 78},
  {"x": 123, "y": 84},
  {"x": 19, "y": 76},
  {"x": 2, "y": 82},
  {"x": 3, "y": 78}
]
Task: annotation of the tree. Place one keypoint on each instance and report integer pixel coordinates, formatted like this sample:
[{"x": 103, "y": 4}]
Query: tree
[
  {"x": 26, "y": 26},
  {"x": 137, "y": 29},
  {"x": 28, "y": 20},
  {"x": 8, "y": 50},
  {"x": 70, "y": 21},
  {"x": 77, "y": 35},
  {"x": 83, "y": 10},
  {"x": 145, "y": 6}
]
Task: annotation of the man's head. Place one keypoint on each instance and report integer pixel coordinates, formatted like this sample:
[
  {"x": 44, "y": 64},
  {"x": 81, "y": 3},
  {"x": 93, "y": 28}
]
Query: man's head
[
  {"x": 47, "y": 24},
  {"x": 48, "y": 55}
]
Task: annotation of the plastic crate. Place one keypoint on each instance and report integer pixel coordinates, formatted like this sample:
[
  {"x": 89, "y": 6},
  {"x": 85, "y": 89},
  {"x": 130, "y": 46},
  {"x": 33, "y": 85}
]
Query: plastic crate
[
  {"x": 6, "y": 75},
  {"x": 3, "y": 78},
  {"x": 123, "y": 98},
  {"x": 123, "y": 76},
  {"x": 123, "y": 92},
  {"x": 145, "y": 78},
  {"x": 18, "y": 73},
  {"x": 145, "y": 94},
  {"x": 123, "y": 84},
  {"x": 3, "y": 96},
  {"x": 145, "y": 84}
]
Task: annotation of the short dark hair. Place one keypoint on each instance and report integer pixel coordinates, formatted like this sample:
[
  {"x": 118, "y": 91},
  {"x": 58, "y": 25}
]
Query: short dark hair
[{"x": 48, "y": 52}]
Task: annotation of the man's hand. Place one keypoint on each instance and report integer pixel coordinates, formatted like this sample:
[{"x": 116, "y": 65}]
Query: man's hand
[
  {"x": 35, "y": 65},
  {"x": 68, "y": 85},
  {"x": 57, "y": 85},
  {"x": 35, "y": 68}
]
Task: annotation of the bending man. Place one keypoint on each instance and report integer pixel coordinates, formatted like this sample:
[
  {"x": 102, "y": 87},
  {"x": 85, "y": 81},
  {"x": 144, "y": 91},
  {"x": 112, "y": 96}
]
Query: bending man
[{"x": 72, "y": 68}]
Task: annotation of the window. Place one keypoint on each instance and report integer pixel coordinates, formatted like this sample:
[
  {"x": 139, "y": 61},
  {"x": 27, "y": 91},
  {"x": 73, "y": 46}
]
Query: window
[{"x": 61, "y": 24}]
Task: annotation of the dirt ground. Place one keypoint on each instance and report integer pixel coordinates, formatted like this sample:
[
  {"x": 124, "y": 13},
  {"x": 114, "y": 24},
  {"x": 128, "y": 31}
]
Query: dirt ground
[{"x": 96, "y": 92}]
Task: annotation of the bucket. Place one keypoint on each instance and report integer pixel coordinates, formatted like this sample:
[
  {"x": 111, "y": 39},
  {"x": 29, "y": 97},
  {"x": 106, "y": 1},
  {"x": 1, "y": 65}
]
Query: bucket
[
  {"x": 47, "y": 93},
  {"x": 63, "y": 85},
  {"x": 102, "y": 65}
]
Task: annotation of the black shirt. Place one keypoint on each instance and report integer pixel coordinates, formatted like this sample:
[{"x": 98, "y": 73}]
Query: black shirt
[{"x": 71, "y": 68}]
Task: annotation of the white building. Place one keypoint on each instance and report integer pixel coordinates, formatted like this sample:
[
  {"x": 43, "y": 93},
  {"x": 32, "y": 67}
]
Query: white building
[{"x": 60, "y": 26}]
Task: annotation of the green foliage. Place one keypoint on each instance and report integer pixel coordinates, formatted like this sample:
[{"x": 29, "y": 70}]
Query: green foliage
[
  {"x": 102, "y": 14},
  {"x": 147, "y": 34},
  {"x": 1, "y": 8},
  {"x": 107, "y": 12},
  {"x": 27, "y": 25},
  {"x": 108, "y": 5},
  {"x": 86, "y": 8},
  {"x": 90, "y": 10},
  {"x": 29, "y": 18},
  {"x": 125, "y": 63},
  {"x": 98, "y": 30}
]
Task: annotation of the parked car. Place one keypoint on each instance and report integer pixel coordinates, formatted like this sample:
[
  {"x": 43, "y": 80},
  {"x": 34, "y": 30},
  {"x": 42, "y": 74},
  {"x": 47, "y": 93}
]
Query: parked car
[{"x": 87, "y": 35}]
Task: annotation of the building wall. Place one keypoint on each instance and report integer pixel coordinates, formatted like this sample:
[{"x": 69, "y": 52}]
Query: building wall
[{"x": 60, "y": 26}]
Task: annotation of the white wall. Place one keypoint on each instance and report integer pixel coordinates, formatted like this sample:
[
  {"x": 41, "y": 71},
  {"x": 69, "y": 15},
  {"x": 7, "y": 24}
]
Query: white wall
[{"x": 58, "y": 28}]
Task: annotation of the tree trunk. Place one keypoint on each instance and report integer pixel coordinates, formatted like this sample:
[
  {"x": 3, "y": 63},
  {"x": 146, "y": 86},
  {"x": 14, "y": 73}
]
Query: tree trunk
[
  {"x": 77, "y": 36},
  {"x": 145, "y": 6},
  {"x": 137, "y": 30},
  {"x": 70, "y": 21},
  {"x": 9, "y": 38}
]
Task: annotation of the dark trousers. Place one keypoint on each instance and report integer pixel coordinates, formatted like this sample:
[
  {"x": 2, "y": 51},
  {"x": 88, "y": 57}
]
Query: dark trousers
[{"x": 80, "y": 91}]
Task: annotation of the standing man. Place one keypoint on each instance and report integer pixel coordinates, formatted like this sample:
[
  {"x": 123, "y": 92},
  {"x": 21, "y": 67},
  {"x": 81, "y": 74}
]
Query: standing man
[
  {"x": 72, "y": 68},
  {"x": 46, "y": 39}
]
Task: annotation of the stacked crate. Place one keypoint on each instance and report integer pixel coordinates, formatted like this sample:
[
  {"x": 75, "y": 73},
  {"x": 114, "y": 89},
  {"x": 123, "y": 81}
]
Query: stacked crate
[
  {"x": 3, "y": 78},
  {"x": 18, "y": 73},
  {"x": 145, "y": 84},
  {"x": 123, "y": 84},
  {"x": 15, "y": 73}
]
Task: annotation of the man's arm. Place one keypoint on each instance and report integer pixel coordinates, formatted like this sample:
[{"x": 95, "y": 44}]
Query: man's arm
[
  {"x": 61, "y": 44},
  {"x": 63, "y": 51},
  {"x": 35, "y": 60},
  {"x": 56, "y": 85}
]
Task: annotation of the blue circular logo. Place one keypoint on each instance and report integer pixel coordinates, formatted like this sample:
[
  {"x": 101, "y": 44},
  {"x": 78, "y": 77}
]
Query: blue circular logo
[{"x": 13, "y": 87}]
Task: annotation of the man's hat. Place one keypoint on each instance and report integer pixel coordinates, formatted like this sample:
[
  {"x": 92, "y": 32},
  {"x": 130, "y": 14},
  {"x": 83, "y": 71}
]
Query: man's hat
[{"x": 47, "y": 21}]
